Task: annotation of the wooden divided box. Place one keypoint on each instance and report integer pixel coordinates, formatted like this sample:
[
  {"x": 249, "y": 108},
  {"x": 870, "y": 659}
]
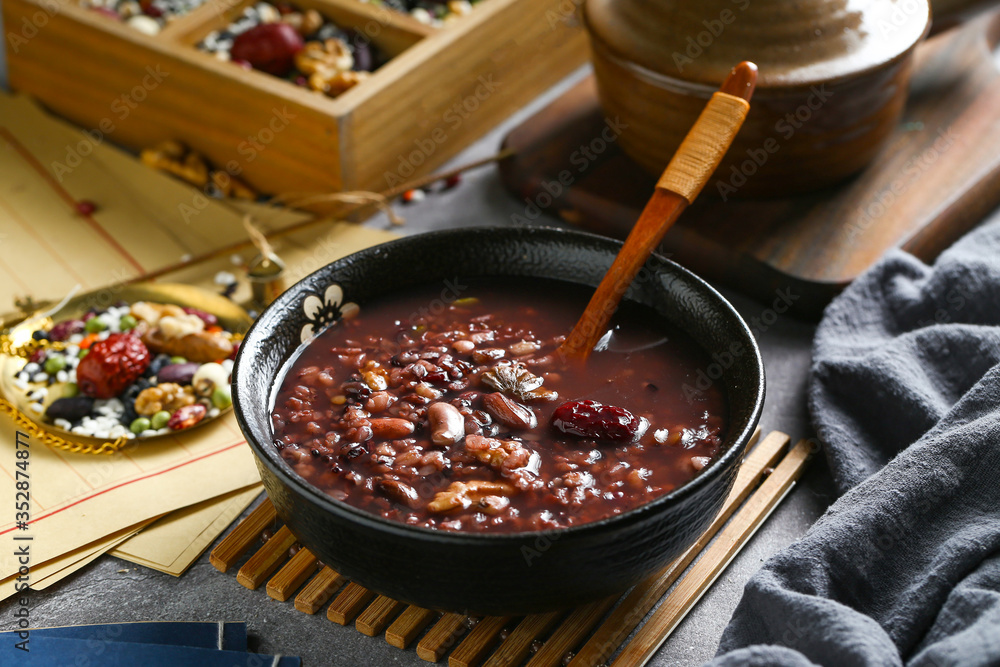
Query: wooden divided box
[{"x": 441, "y": 89}]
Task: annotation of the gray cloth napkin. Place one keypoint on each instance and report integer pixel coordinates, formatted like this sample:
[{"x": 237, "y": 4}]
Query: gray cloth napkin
[{"x": 903, "y": 569}]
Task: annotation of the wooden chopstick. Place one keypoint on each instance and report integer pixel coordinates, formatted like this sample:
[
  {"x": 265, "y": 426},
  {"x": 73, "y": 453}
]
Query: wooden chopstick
[
  {"x": 647, "y": 593},
  {"x": 704, "y": 573},
  {"x": 515, "y": 648},
  {"x": 236, "y": 543},
  {"x": 302, "y": 566},
  {"x": 349, "y": 603},
  {"x": 319, "y": 590},
  {"x": 441, "y": 637},
  {"x": 482, "y": 638},
  {"x": 267, "y": 559},
  {"x": 378, "y": 615},
  {"x": 409, "y": 624}
]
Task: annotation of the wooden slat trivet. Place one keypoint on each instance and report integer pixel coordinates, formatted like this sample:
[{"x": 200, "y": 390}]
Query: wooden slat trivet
[
  {"x": 441, "y": 637},
  {"x": 318, "y": 591},
  {"x": 409, "y": 624},
  {"x": 349, "y": 603},
  {"x": 470, "y": 653},
  {"x": 746, "y": 507},
  {"x": 379, "y": 614},
  {"x": 572, "y": 632},
  {"x": 267, "y": 560},
  {"x": 302, "y": 566},
  {"x": 236, "y": 543},
  {"x": 515, "y": 648}
]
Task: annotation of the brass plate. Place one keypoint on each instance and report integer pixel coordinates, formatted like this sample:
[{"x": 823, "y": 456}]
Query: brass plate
[{"x": 231, "y": 317}]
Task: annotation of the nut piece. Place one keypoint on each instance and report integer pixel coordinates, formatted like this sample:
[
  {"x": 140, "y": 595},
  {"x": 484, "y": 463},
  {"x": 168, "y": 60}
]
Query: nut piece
[
  {"x": 334, "y": 83},
  {"x": 509, "y": 412},
  {"x": 461, "y": 495},
  {"x": 447, "y": 425},
  {"x": 165, "y": 396},
  {"x": 331, "y": 55},
  {"x": 152, "y": 312},
  {"x": 178, "y": 326},
  {"x": 503, "y": 455}
]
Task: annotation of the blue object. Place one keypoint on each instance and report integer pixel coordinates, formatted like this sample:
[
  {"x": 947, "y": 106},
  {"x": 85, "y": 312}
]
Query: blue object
[
  {"x": 47, "y": 651},
  {"x": 219, "y": 636}
]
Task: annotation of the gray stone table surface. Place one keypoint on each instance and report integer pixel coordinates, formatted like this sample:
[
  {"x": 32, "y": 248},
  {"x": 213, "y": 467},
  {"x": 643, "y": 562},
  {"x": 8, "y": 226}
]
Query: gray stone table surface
[{"x": 111, "y": 590}]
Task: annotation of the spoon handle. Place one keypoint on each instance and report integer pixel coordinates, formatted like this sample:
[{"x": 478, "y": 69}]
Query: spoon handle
[{"x": 690, "y": 168}]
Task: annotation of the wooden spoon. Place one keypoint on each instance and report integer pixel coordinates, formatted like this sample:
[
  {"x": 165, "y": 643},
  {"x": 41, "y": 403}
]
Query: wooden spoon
[{"x": 690, "y": 168}]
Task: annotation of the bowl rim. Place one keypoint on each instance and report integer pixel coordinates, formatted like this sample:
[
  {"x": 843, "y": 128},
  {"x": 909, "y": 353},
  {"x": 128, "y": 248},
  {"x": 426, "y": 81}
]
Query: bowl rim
[{"x": 268, "y": 457}]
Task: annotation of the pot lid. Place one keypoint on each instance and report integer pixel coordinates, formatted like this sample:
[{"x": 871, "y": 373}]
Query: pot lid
[{"x": 793, "y": 42}]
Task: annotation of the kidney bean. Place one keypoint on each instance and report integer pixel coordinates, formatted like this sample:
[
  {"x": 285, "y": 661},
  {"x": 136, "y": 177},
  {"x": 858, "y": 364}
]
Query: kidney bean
[
  {"x": 391, "y": 427},
  {"x": 446, "y": 423}
]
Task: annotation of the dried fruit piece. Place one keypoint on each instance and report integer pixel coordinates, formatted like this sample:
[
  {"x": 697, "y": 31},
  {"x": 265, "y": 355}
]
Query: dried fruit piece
[
  {"x": 269, "y": 47},
  {"x": 590, "y": 419},
  {"x": 202, "y": 346},
  {"x": 112, "y": 365},
  {"x": 399, "y": 492},
  {"x": 509, "y": 412},
  {"x": 186, "y": 417},
  {"x": 63, "y": 330}
]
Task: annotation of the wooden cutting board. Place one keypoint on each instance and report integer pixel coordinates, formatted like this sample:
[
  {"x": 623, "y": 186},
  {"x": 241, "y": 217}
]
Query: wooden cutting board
[{"x": 936, "y": 178}]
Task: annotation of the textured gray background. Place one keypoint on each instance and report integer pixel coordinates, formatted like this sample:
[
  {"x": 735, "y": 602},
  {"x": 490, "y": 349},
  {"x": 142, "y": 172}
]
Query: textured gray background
[{"x": 103, "y": 592}]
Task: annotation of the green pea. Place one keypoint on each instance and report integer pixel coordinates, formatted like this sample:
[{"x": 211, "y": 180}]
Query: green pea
[
  {"x": 139, "y": 425},
  {"x": 83, "y": 352},
  {"x": 55, "y": 363},
  {"x": 70, "y": 390},
  {"x": 178, "y": 360},
  {"x": 160, "y": 419},
  {"x": 94, "y": 325},
  {"x": 222, "y": 397},
  {"x": 127, "y": 323}
]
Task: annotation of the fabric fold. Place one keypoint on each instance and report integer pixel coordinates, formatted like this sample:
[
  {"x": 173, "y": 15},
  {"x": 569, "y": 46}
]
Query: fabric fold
[{"x": 904, "y": 568}]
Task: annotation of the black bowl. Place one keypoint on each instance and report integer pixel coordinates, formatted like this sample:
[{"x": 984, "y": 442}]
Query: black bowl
[{"x": 501, "y": 574}]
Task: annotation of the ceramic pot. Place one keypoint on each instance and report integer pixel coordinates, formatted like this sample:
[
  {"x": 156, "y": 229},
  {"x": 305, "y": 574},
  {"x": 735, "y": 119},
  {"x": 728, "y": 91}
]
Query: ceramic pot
[
  {"x": 833, "y": 77},
  {"x": 502, "y": 573}
]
